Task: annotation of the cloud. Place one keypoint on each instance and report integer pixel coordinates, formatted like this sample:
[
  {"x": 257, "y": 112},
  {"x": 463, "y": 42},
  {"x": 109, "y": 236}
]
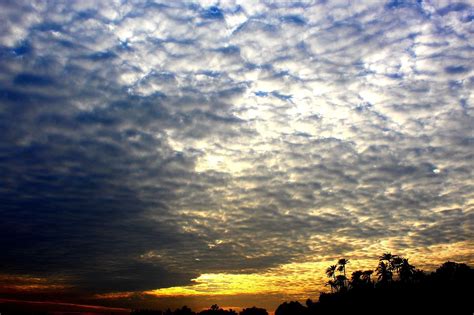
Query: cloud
[{"x": 144, "y": 144}]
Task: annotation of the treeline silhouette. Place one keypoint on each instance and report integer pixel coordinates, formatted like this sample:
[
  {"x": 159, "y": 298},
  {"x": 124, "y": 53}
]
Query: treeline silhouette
[
  {"x": 393, "y": 287},
  {"x": 213, "y": 310}
]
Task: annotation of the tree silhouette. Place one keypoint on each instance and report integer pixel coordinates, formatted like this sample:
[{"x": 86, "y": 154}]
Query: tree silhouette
[
  {"x": 386, "y": 256},
  {"x": 216, "y": 310},
  {"x": 356, "y": 279},
  {"x": 448, "y": 290},
  {"x": 457, "y": 274},
  {"x": 341, "y": 283},
  {"x": 331, "y": 273},
  {"x": 184, "y": 311},
  {"x": 366, "y": 277},
  {"x": 342, "y": 267},
  {"x": 406, "y": 271},
  {"x": 384, "y": 273},
  {"x": 395, "y": 264},
  {"x": 332, "y": 284},
  {"x": 254, "y": 311},
  {"x": 337, "y": 282},
  {"x": 291, "y": 308}
]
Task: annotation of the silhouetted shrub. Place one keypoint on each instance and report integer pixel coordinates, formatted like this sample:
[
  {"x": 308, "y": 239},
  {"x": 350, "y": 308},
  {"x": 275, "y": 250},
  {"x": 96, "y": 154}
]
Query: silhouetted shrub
[
  {"x": 291, "y": 308},
  {"x": 254, "y": 311},
  {"x": 216, "y": 310}
]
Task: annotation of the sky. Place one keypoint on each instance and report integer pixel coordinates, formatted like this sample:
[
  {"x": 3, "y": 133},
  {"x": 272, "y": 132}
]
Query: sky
[{"x": 162, "y": 153}]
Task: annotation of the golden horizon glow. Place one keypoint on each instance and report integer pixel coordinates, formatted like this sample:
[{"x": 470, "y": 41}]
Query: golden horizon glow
[{"x": 301, "y": 280}]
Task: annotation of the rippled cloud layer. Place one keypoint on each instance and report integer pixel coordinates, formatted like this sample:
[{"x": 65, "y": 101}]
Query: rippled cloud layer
[{"x": 144, "y": 144}]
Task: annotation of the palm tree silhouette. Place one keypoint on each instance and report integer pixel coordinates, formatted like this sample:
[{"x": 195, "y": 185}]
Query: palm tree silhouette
[
  {"x": 342, "y": 267},
  {"x": 384, "y": 273},
  {"x": 332, "y": 284},
  {"x": 331, "y": 271},
  {"x": 356, "y": 279},
  {"x": 341, "y": 283},
  {"x": 386, "y": 256},
  {"x": 366, "y": 277},
  {"x": 393, "y": 262},
  {"x": 406, "y": 271},
  {"x": 396, "y": 263}
]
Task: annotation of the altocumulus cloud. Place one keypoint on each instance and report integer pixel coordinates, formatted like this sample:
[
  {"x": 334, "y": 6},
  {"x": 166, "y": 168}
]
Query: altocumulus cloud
[{"x": 143, "y": 143}]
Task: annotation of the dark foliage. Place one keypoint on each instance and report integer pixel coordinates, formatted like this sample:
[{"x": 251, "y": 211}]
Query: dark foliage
[
  {"x": 395, "y": 287},
  {"x": 213, "y": 310},
  {"x": 254, "y": 311},
  {"x": 216, "y": 310},
  {"x": 398, "y": 288},
  {"x": 290, "y": 308}
]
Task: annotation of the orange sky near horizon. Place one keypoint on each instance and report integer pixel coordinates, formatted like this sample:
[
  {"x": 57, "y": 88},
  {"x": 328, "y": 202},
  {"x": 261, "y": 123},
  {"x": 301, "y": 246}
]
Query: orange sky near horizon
[{"x": 269, "y": 288}]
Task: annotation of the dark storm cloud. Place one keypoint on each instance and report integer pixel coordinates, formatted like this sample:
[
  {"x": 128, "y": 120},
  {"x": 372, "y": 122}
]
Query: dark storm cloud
[{"x": 142, "y": 144}]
